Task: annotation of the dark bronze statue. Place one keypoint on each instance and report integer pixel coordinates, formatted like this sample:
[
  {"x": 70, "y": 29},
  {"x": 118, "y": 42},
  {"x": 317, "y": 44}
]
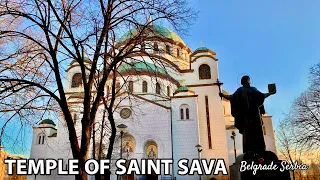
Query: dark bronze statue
[{"x": 247, "y": 109}]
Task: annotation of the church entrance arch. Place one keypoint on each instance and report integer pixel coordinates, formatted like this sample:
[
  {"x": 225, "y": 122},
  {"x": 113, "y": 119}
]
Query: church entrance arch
[{"x": 151, "y": 152}]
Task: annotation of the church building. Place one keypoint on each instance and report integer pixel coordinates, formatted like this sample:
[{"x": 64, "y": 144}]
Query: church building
[{"x": 174, "y": 111}]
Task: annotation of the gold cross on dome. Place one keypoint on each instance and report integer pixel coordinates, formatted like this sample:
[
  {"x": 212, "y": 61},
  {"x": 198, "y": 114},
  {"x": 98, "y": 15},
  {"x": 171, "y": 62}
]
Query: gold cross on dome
[{"x": 182, "y": 82}]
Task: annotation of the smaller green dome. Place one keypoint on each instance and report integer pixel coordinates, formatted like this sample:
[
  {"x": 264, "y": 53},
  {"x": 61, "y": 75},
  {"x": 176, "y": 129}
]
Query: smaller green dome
[
  {"x": 47, "y": 121},
  {"x": 202, "y": 49}
]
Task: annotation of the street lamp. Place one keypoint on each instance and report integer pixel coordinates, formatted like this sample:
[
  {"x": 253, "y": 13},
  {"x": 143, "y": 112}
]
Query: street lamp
[
  {"x": 127, "y": 160},
  {"x": 198, "y": 146},
  {"x": 233, "y": 137},
  {"x": 122, "y": 129}
]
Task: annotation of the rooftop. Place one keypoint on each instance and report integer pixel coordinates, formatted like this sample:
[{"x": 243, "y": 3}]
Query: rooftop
[
  {"x": 140, "y": 66},
  {"x": 153, "y": 31},
  {"x": 47, "y": 121}
]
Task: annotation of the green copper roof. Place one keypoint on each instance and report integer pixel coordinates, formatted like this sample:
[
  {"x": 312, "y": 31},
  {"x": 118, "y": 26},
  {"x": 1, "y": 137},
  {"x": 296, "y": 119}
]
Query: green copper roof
[
  {"x": 183, "y": 88},
  {"x": 155, "y": 31},
  {"x": 202, "y": 49},
  {"x": 47, "y": 121},
  {"x": 140, "y": 66}
]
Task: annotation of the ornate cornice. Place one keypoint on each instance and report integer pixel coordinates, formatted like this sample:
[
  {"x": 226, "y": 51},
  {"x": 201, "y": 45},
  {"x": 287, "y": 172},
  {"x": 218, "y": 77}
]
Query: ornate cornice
[
  {"x": 187, "y": 96},
  {"x": 203, "y": 51},
  {"x": 148, "y": 73},
  {"x": 209, "y": 56},
  {"x": 200, "y": 85}
]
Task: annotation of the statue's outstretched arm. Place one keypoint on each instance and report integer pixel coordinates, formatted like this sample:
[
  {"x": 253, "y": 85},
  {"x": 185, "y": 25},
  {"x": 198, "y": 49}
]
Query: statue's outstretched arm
[
  {"x": 228, "y": 97},
  {"x": 267, "y": 94}
]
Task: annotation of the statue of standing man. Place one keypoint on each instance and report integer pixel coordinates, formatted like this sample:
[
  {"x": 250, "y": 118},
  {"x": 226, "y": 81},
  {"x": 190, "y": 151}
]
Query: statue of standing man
[{"x": 247, "y": 109}]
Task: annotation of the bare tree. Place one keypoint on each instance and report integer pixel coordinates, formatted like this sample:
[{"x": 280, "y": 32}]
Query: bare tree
[
  {"x": 51, "y": 34},
  {"x": 306, "y": 111},
  {"x": 288, "y": 147}
]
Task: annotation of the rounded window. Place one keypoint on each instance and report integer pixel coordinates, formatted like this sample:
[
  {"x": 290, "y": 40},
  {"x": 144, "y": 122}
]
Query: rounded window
[
  {"x": 144, "y": 86},
  {"x": 184, "y": 112},
  {"x": 125, "y": 113},
  {"x": 204, "y": 72},
  {"x": 76, "y": 80}
]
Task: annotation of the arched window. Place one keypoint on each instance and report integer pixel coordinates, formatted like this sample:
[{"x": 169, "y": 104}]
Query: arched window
[
  {"x": 204, "y": 72},
  {"x": 185, "y": 56},
  {"x": 208, "y": 121},
  {"x": 264, "y": 130},
  {"x": 187, "y": 113},
  {"x": 108, "y": 90},
  {"x": 168, "y": 91},
  {"x": 131, "y": 86},
  {"x": 75, "y": 118},
  {"x": 178, "y": 52},
  {"x": 144, "y": 86},
  {"x": 158, "y": 88},
  {"x": 181, "y": 113},
  {"x": 184, "y": 112},
  {"x": 168, "y": 49},
  {"x": 118, "y": 86},
  {"x": 128, "y": 146},
  {"x": 143, "y": 47},
  {"x": 76, "y": 80},
  {"x": 151, "y": 150},
  {"x": 155, "y": 47},
  {"x": 41, "y": 139}
]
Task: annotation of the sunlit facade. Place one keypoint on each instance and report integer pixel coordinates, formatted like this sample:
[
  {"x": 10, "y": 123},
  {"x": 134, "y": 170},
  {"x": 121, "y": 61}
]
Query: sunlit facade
[{"x": 173, "y": 106}]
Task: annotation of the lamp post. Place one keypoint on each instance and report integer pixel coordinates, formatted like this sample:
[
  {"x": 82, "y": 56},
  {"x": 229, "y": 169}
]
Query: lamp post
[
  {"x": 233, "y": 135},
  {"x": 198, "y": 146},
  {"x": 122, "y": 129},
  {"x": 127, "y": 160}
]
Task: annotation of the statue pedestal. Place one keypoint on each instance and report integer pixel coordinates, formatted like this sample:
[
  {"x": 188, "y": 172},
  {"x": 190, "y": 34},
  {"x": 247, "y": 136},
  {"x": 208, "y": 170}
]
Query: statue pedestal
[
  {"x": 234, "y": 168},
  {"x": 251, "y": 160}
]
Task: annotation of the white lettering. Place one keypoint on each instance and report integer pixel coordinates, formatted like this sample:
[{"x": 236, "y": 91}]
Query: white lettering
[
  {"x": 10, "y": 163},
  {"x": 181, "y": 165}
]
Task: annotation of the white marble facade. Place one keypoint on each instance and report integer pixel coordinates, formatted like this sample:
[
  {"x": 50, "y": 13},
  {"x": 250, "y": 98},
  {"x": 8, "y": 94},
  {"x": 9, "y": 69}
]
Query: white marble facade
[{"x": 170, "y": 123}]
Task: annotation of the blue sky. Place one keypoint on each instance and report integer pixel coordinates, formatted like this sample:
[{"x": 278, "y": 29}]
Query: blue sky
[{"x": 273, "y": 41}]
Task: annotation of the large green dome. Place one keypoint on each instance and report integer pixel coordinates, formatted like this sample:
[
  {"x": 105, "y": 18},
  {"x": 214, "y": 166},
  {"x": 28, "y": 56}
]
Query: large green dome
[{"x": 154, "y": 31}]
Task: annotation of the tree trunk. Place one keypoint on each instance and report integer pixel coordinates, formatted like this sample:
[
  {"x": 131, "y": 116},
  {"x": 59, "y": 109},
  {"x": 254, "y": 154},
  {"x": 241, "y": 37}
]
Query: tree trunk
[
  {"x": 112, "y": 138},
  {"x": 82, "y": 175},
  {"x": 84, "y": 150}
]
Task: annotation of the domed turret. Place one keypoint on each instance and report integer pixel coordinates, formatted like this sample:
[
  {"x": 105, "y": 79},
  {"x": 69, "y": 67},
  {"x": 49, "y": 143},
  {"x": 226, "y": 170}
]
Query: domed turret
[
  {"x": 47, "y": 122},
  {"x": 203, "y": 49}
]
